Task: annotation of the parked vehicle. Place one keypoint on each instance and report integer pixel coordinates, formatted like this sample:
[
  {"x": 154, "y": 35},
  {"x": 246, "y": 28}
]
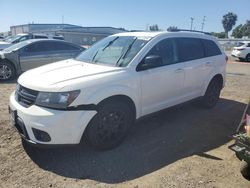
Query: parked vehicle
[
  {"x": 19, "y": 38},
  {"x": 242, "y": 144},
  {"x": 34, "y": 53},
  {"x": 116, "y": 81},
  {"x": 242, "y": 52}
]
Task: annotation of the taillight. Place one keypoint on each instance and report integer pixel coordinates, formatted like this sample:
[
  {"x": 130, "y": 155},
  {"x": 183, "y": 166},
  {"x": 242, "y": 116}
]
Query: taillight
[{"x": 241, "y": 49}]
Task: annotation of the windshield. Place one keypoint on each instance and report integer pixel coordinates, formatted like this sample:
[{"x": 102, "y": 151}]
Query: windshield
[
  {"x": 114, "y": 50},
  {"x": 17, "y": 46},
  {"x": 13, "y": 38}
]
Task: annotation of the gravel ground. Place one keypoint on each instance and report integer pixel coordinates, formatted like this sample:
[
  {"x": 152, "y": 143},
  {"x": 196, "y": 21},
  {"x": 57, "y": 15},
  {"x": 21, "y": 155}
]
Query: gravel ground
[{"x": 184, "y": 146}]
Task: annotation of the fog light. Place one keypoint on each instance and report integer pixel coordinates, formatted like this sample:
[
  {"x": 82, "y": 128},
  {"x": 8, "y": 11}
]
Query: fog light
[{"x": 41, "y": 135}]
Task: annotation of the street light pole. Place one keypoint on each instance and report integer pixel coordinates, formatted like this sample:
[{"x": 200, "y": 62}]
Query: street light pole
[
  {"x": 203, "y": 23},
  {"x": 192, "y": 20}
]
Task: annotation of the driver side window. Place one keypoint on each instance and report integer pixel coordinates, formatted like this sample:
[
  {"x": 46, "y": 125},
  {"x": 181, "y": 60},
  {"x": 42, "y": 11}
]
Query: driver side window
[{"x": 167, "y": 50}]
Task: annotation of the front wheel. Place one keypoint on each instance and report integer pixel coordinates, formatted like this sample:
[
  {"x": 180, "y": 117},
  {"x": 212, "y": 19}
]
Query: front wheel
[
  {"x": 7, "y": 71},
  {"x": 110, "y": 125},
  {"x": 212, "y": 95}
]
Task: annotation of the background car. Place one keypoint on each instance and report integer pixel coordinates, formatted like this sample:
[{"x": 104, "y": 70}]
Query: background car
[
  {"x": 34, "y": 53},
  {"x": 242, "y": 52},
  {"x": 25, "y": 36}
]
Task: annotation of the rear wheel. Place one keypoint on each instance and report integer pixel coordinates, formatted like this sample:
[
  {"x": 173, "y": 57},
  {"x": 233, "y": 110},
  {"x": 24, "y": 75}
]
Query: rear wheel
[
  {"x": 211, "y": 97},
  {"x": 7, "y": 71},
  {"x": 245, "y": 170},
  {"x": 241, "y": 59},
  {"x": 248, "y": 58},
  {"x": 110, "y": 125}
]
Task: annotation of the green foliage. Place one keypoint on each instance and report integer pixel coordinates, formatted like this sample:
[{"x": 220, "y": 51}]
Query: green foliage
[
  {"x": 172, "y": 28},
  {"x": 154, "y": 28},
  {"x": 228, "y": 21},
  {"x": 220, "y": 35},
  {"x": 238, "y": 32},
  {"x": 242, "y": 30}
]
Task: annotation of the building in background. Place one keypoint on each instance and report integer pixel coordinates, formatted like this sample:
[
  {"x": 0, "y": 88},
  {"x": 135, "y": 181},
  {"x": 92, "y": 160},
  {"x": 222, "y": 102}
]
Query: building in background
[
  {"x": 49, "y": 29},
  {"x": 87, "y": 35},
  {"x": 71, "y": 33}
]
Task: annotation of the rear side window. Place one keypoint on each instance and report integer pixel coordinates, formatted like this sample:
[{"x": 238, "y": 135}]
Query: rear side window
[
  {"x": 38, "y": 47},
  {"x": 189, "y": 49},
  {"x": 61, "y": 46},
  {"x": 211, "y": 48},
  {"x": 40, "y": 37}
]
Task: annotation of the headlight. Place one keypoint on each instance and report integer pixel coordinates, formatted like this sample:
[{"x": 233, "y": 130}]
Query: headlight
[{"x": 56, "y": 100}]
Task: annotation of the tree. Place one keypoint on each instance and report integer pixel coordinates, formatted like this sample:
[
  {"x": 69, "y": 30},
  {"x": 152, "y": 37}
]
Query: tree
[
  {"x": 172, "y": 28},
  {"x": 246, "y": 29},
  {"x": 242, "y": 30},
  {"x": 228, "y": 21},
  {"x": 238, "y": 31},
  {"x": 154, "y": 27}
]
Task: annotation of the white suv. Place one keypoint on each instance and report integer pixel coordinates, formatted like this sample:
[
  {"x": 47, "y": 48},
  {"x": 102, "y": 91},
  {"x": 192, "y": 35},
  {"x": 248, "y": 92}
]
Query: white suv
[
  {"x": 99, "y": 95},
  {"x": 242, "y": 51}
]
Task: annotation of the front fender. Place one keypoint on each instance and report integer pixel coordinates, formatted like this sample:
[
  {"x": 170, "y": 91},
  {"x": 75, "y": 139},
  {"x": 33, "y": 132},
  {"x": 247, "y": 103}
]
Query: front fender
[{"x": 95, "y": 96}]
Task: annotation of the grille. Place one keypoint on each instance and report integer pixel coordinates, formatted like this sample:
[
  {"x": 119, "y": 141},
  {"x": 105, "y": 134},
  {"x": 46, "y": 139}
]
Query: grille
[{"x": 24, "y": 96}]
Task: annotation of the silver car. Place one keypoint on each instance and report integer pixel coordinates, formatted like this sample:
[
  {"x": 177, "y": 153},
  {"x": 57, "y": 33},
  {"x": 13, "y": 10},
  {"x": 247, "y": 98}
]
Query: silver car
[{"x": 34, "y": 53}]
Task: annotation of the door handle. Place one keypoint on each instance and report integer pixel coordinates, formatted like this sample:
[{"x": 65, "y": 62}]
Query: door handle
[{"x": 178, "y": 70}]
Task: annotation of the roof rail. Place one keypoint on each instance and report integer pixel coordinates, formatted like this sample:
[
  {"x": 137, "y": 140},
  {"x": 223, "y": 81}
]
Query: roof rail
[{"x": 177, "y": 30}]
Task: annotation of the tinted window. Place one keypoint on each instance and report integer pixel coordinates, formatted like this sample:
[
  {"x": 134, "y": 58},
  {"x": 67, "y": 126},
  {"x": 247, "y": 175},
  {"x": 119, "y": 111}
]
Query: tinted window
[
  {"x": 59, "y": 46},
  {"x": 39, "y": 47},
  {"x": 211, "y": 49},
  {"x": 40, "y": 37},
  {"x": 189, "y": 49},
  {"x": 166, "y": 49},
  {"x": 248, "y": 45}
]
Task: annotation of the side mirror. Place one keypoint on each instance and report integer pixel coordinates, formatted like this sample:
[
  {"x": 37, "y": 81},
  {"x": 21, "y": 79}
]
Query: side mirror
[{"x": 149, "y": 62}]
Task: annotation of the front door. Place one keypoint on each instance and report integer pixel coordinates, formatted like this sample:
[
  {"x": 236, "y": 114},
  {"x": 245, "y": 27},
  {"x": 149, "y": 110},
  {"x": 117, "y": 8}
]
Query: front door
[{"x": 162, "y": 86}]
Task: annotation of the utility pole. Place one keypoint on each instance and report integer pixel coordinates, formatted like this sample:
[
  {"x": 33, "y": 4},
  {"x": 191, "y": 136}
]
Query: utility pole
[
  {"x": 203, "y": 23},
  {"x": 192, "y": 21}
]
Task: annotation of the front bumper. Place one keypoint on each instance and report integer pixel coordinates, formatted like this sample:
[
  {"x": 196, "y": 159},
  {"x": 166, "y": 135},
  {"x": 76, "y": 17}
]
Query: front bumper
[{"x": 63, "y": 127}]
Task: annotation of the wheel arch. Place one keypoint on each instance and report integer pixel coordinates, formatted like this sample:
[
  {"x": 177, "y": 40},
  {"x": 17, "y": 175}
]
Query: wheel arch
[
  {"x": 219, "y": 77},
  {"x": 121, "y": 98}
]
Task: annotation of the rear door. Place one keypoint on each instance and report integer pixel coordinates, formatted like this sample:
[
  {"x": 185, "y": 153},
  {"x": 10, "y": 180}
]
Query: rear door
[
  {"x": 191, "y": 52},
  {"x": 67, "y": 50}
]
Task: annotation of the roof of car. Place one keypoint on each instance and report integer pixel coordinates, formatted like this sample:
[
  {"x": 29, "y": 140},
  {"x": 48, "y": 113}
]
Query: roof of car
[
  {"x": 154, "y": 34},
  {"x": 44, "y": 39}
]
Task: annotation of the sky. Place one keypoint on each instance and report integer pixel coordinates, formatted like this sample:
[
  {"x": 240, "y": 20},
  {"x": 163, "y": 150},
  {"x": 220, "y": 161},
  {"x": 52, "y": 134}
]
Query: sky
[{"x": 128, "y": 14}]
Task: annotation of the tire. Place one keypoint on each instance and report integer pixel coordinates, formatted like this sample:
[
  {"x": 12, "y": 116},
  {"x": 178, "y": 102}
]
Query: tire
[
  {"x": 248, "y": 58},
  {"x": 7, "y": 71},
  {"x": 212, "y": 95},
  {"x": 110, "y": 125},
  {"x": 245, "y": 170},
  {"x": 241, "y": 59}
]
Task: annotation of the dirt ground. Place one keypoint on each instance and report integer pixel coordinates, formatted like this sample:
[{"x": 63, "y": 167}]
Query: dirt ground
[{"x": 184, "y": 146}]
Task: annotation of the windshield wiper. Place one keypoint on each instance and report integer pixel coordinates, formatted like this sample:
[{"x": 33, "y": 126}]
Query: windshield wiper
[
  {"x": 126, "y": 52},
  {"x": 95, "y": 55},
  {"x": 110, "y": 43}
]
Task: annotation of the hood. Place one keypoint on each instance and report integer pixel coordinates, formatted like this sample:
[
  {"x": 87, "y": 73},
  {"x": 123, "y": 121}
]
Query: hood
[{"x": 51, "y": 77}]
